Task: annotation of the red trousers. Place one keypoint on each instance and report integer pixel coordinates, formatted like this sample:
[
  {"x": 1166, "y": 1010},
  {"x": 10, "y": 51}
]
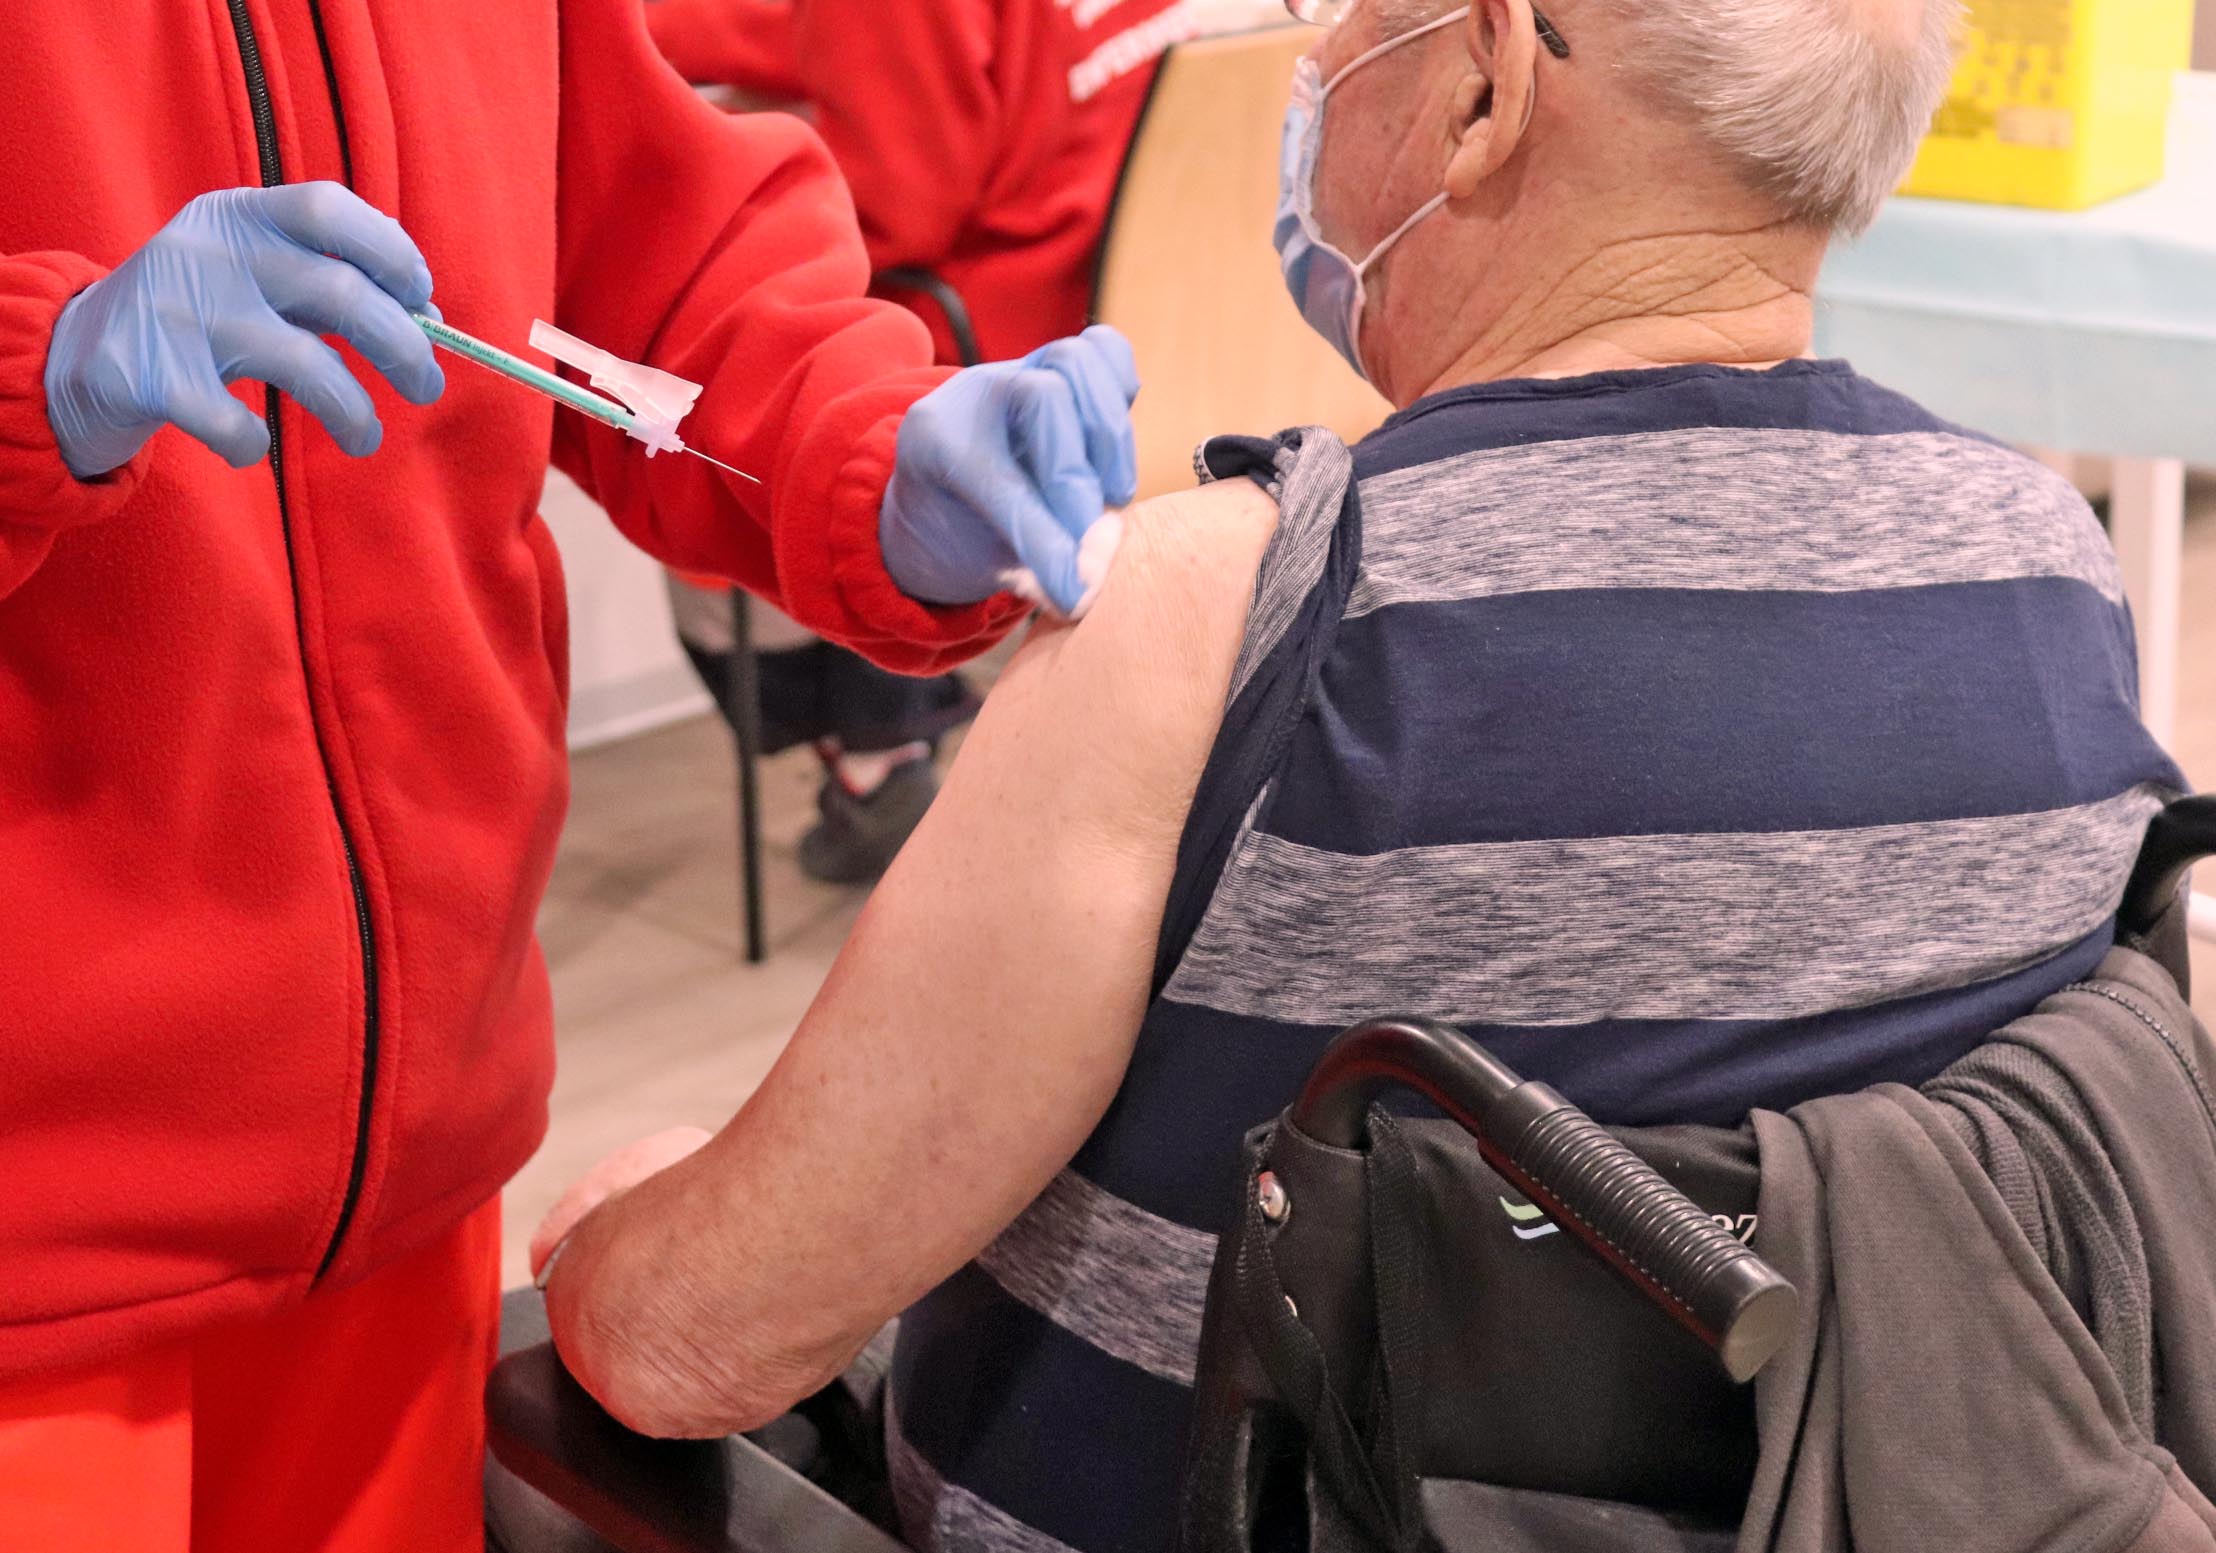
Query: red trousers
[{"x": 351, "y": 1424}]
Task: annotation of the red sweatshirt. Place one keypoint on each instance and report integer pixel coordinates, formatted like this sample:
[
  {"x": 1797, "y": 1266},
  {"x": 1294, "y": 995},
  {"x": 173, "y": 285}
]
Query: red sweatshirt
[
  {"x": 281, "y": 749},
  {"x": 983, "y": 138}
]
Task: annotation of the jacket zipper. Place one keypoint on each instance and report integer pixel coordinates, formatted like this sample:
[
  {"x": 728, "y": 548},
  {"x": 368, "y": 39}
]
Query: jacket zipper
[
  {"x": 273, "y": 173},
  {"x": 2192, "y": 1075}
]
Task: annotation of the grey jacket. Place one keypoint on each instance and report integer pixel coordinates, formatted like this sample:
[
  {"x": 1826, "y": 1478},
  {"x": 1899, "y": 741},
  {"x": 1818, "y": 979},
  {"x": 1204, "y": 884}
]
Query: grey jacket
[{"x": 2008, "y": 1336}]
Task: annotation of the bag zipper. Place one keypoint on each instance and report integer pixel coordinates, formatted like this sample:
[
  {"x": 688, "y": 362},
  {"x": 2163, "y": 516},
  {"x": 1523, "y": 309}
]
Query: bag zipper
[{"x": 273, "y": 174}]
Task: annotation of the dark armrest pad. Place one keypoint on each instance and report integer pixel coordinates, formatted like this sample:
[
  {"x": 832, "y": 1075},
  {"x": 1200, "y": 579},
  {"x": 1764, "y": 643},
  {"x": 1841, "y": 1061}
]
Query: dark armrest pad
[{"x": 657, "y": 1496}]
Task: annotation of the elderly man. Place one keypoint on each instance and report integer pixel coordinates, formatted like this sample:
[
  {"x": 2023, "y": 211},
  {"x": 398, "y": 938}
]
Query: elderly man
[{"x": 1707, "y": 726}]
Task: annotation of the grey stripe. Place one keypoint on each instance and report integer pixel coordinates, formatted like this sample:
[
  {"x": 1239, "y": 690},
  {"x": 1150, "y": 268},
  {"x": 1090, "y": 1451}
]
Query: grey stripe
[
  {"x": 1734, "y": 926},
  {"x": 1700, "y": 509},
  {"x": 1310, "y": 490},
  {"x": 1129, "y": 1283},
  {"x": 941, "y": 1517}
]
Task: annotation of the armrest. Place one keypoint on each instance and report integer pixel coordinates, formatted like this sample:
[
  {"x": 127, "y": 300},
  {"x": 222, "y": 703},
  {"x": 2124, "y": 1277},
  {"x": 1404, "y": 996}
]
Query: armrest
[{"x": 652, "y": 1496}]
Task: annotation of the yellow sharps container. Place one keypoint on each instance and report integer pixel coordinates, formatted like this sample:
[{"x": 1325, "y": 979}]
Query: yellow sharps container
[{"x": 2057, "y": 103}]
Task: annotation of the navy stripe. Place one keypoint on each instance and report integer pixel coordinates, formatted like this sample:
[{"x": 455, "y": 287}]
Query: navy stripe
[
  {"x": 1605, "y": 712},
  {"x": 1040, "y": 1424},
  {"x": 1798, "y": 396},
  {"x": 1200, "y": 1078}
]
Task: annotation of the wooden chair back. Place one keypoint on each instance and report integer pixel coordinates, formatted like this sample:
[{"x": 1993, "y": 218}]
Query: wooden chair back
[{"x": 1188, "y": 274}]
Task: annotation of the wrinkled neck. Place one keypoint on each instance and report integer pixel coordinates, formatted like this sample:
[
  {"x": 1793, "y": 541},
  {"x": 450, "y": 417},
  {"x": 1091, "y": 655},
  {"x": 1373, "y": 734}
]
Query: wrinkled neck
[{"x": 1739, "y": 299}]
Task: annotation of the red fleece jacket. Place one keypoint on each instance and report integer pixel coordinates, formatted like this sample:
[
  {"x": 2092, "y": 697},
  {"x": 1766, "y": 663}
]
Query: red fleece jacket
[
  {"x": 281, "y": 749},
  {"x": 983, "y": 138}
]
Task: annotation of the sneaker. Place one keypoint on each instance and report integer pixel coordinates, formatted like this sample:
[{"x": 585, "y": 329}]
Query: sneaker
[{"x": 857, "y": 838}]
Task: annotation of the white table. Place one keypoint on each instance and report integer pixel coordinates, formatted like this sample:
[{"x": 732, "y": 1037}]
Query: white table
[{"x": 2092, "y": 331}]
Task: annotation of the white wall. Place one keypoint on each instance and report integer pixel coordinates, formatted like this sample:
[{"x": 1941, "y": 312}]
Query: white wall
[{"x": 626, "y": 671}]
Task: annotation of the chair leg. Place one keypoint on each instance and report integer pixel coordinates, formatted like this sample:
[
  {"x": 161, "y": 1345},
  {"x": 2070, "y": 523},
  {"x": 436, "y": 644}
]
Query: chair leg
[{"x": 745, "y": 713}]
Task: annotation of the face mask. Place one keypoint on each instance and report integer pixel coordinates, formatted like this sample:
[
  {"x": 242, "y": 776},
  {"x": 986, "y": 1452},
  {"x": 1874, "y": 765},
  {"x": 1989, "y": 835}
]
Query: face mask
[{"x": 1327, "y": 285}]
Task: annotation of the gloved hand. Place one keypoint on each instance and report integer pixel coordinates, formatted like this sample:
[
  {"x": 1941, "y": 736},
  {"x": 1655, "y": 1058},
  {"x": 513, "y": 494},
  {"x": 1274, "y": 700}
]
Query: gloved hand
[
  {"x": 1004, "y": 467},
  {"x": 238, "y": 285}
]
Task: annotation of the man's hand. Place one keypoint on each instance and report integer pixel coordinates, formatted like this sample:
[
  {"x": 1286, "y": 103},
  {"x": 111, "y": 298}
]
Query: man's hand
[
  {"x": 239, "y": 285},
  {"x": 633, "y": 1298},
  {"x": 1004, "y": 467},
  {"x": 615, "y": 1174}
]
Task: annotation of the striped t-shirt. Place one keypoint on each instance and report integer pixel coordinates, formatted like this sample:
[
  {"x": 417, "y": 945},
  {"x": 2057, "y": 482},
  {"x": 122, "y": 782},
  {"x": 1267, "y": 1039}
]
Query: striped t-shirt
[{"x": 1700, "y": 739}]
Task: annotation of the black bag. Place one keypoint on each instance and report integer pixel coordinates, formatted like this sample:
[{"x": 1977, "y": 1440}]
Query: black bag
[{"x": 1402, "y": 1351}]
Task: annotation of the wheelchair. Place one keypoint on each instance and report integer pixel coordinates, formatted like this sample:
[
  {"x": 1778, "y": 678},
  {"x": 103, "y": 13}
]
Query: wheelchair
[{"x": 1308, "y": 1352}]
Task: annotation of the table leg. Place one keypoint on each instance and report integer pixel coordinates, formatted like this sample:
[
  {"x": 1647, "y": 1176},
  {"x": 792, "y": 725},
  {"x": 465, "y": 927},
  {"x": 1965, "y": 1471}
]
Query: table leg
[{"x": 2147, "y": 522}]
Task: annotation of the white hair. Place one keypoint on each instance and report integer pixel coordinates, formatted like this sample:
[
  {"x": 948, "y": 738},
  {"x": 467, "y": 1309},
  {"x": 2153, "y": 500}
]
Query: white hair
[
  {"x": 1816, "y": 103},
  {"x": 1819, "y": 104}
]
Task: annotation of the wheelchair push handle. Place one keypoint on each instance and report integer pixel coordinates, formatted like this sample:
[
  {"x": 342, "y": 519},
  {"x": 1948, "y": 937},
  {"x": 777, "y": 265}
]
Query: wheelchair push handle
[{"x": 1607, "y": 1197}]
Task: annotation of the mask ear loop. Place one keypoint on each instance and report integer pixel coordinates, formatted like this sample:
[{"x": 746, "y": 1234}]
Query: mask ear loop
[
  {"x": 1530, "y": 110},
  {"x": 1430, "y": 206},
  {"x": 1377, "y": 51},
  {"x": 1384, "y": 247},
  {"x": 1531, "y": 106},
  {"x": 1362, "y": 270},
  {"x": 1390, "y": 44}
]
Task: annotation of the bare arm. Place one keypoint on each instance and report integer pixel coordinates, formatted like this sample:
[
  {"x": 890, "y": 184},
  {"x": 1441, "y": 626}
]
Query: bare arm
[{"x": 971, "y": 1034}]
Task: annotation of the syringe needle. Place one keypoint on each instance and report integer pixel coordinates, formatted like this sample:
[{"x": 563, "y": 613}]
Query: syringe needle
[
  {"x": 658, "y": 435},
  {"x": 720, "y": 464}
]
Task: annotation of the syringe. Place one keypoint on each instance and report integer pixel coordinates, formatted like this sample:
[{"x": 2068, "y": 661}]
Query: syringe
[{"x": 516, "y": 370}]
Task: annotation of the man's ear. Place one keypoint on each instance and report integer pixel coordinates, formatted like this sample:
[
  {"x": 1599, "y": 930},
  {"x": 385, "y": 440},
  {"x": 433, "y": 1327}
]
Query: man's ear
[{"x": 1493, "y": 104}]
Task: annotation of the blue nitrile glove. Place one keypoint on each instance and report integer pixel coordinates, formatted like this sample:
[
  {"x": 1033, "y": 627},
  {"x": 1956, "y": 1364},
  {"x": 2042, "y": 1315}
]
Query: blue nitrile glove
[
  {"x": 1003, "y": 468},
  {"x": 238, "y": 285}
]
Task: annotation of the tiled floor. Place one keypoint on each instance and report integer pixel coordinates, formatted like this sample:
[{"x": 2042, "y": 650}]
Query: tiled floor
[{"x": 661, "y": 1023}]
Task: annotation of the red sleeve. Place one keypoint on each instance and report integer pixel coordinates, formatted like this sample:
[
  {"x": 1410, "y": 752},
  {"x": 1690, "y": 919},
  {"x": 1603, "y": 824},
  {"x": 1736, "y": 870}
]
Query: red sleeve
[
  {"x": 722, "y": 248},
  {"x": 743, "y": 43},
  {"x": 39, "y": 497},
  {"x": 904, "y": 96}
]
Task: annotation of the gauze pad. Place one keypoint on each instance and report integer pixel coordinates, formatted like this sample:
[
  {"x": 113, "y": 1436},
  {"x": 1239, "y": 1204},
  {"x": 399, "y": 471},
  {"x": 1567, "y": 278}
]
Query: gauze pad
[{"x": 1096, "y": 552}]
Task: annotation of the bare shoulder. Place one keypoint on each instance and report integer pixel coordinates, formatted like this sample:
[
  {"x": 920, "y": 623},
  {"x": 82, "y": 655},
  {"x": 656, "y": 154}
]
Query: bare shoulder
[
  {"x": 1224, "y": 524},
  {"x": 1183, "y": 577},
  {"x": 1136, "y": 690}
]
